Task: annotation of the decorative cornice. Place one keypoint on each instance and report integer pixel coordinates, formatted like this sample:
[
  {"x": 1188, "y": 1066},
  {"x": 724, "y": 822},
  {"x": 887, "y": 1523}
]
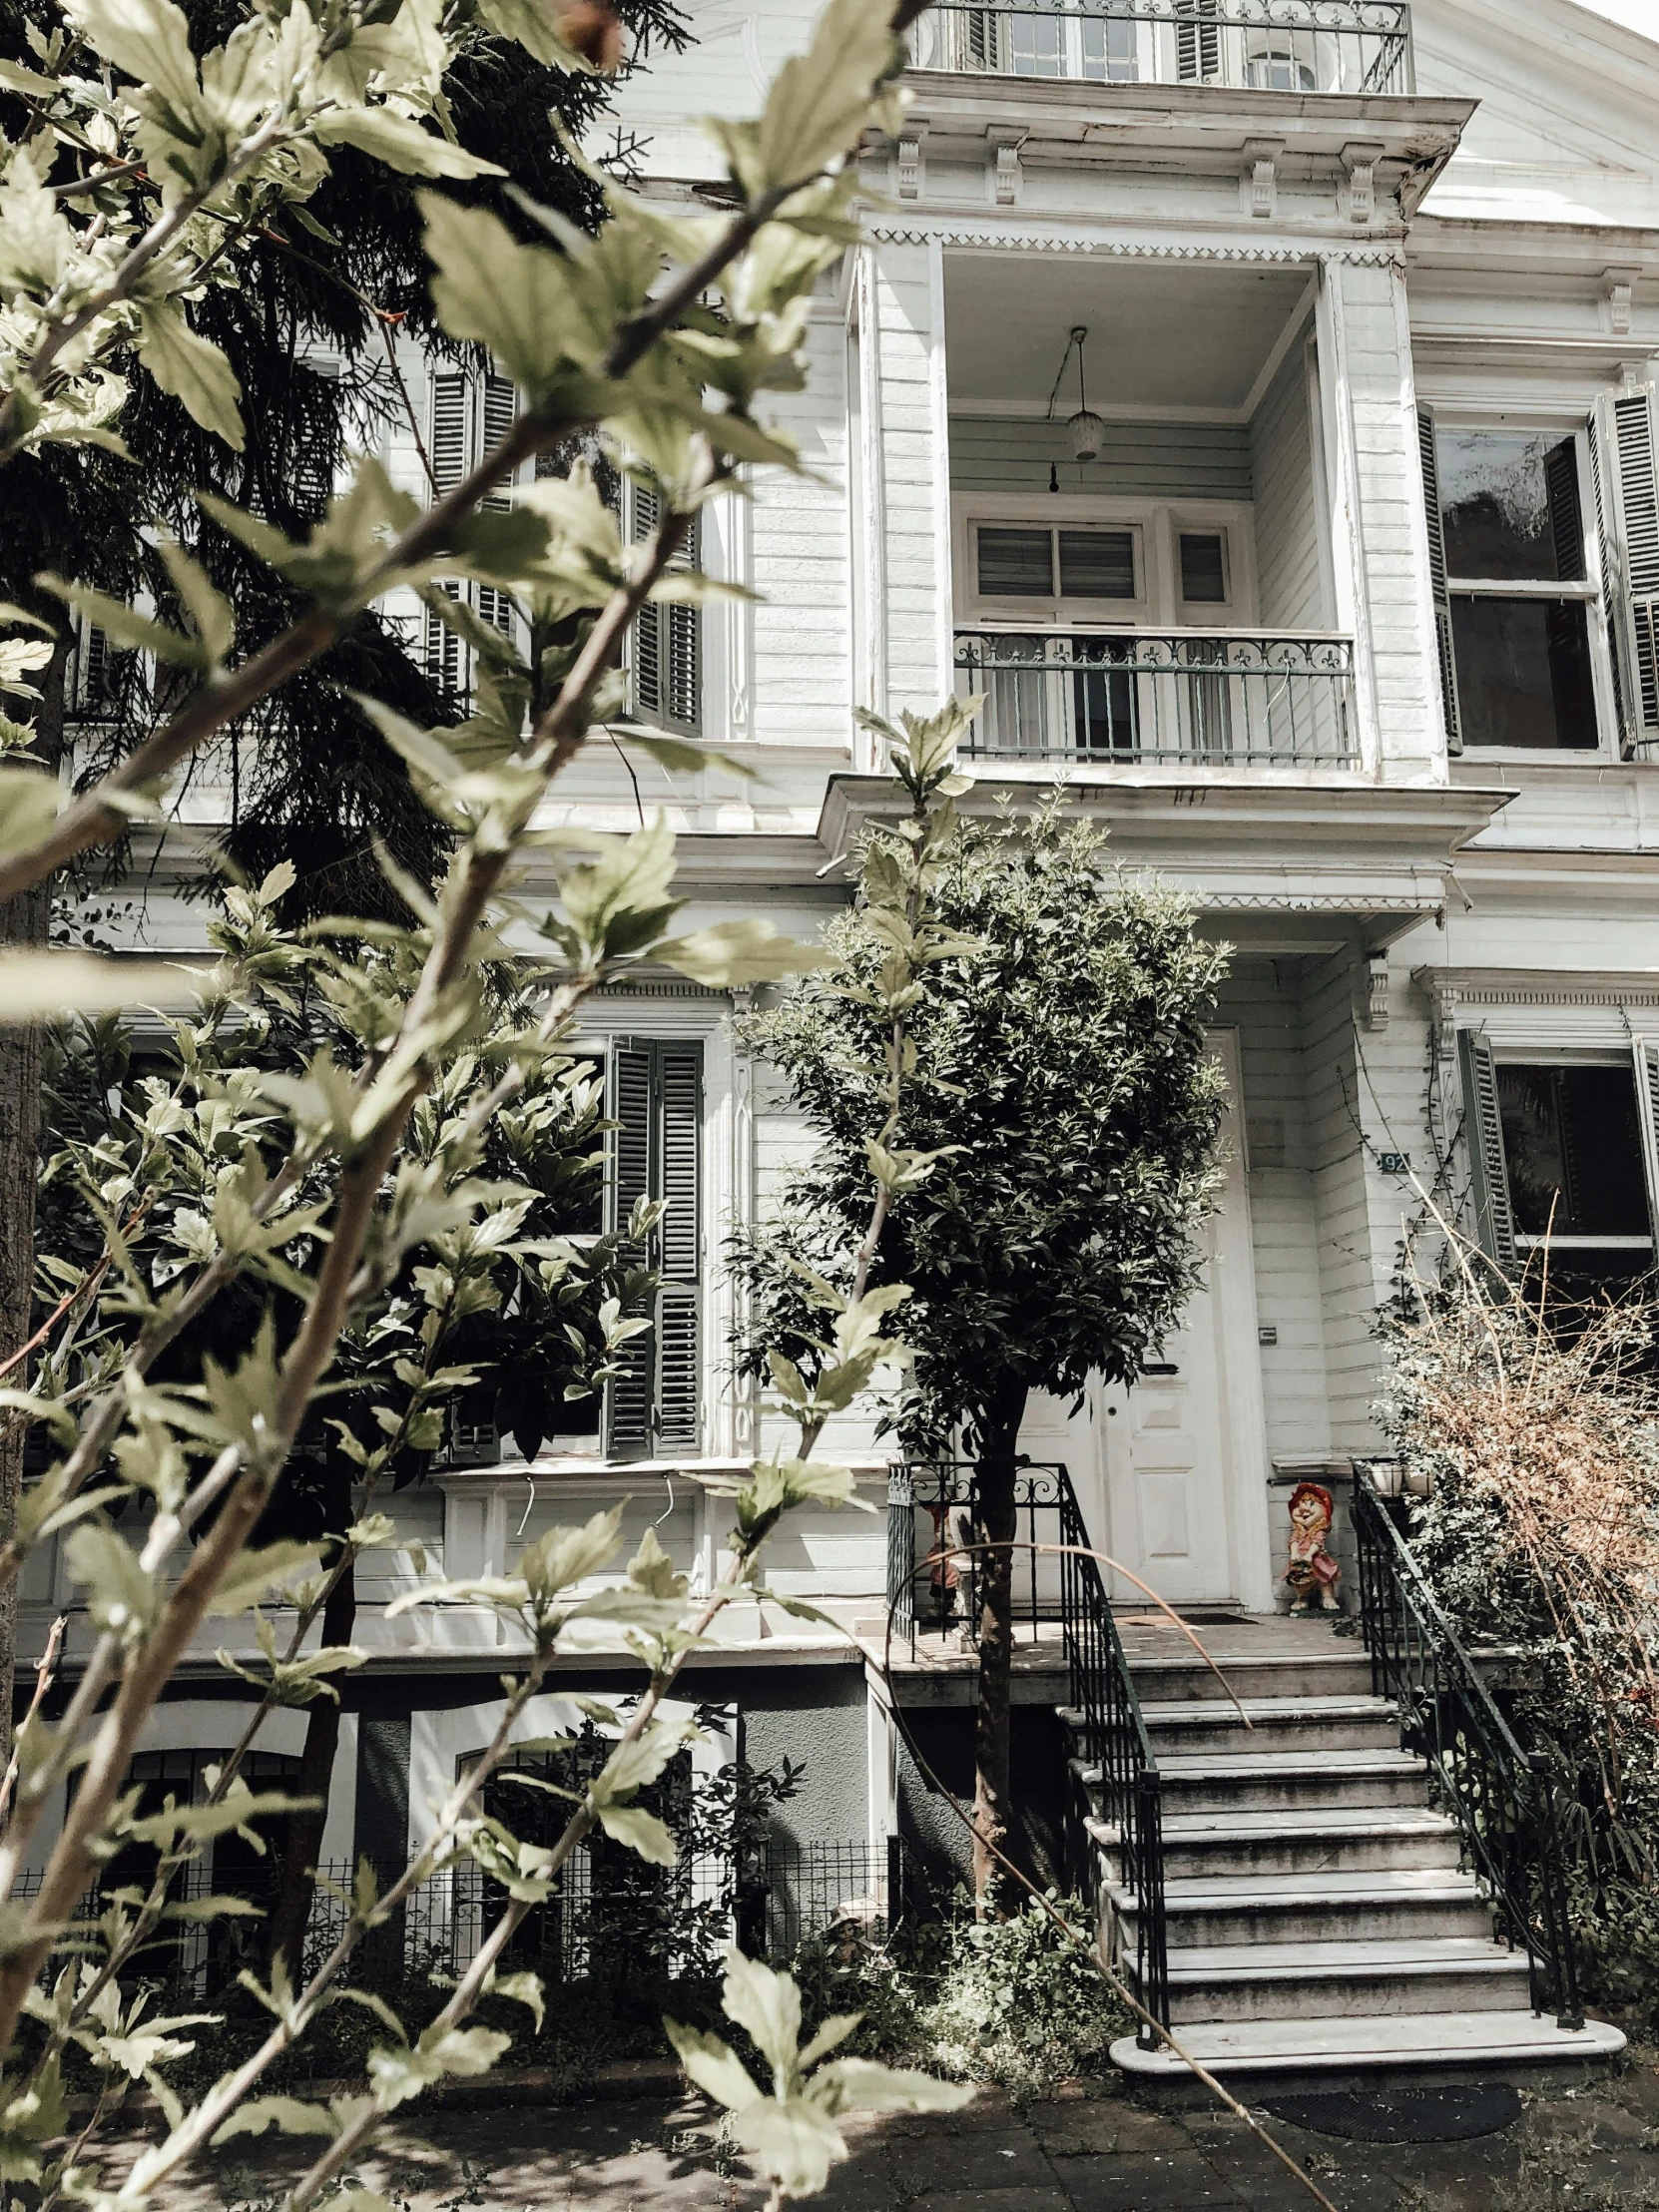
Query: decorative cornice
[
  {"x": 1448, "y": 990},
  {"x": 1304, "y": 255}
]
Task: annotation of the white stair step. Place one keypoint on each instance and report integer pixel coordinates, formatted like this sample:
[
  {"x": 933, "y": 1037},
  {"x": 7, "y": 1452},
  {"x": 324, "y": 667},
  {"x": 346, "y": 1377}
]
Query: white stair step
[
  {"x": 1276, "y": 1723},
  {"x": 1405, "y": 1902},
  {"x": 1343, "y": 1670},
  {"x": 1263, "y": 1779},
  {"x": 1326, "y": 1838},
  {"x": 1253, "y": 1982},
  {"x": 1399, "y": 2039}
]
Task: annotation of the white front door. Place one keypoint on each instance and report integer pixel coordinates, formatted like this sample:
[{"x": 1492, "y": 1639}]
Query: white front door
[{"x": 1171, "y": 1473}]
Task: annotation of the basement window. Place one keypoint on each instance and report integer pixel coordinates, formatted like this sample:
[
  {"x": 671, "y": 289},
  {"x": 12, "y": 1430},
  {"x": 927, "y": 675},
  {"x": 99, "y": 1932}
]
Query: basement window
[{"x": 1573, "y": 1150}]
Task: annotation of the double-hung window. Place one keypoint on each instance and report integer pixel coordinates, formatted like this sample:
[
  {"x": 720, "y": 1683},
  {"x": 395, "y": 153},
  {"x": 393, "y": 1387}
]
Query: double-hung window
[
  {"x": 1513, "y": 586},
  {"x": 655, "y": 1100},
  {"x": 1544, "y": 568},
  {"x": 1565, "y": 1152}
]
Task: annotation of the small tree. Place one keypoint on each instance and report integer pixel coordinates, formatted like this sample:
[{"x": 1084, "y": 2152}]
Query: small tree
[{"x": 1063, "y": 1081}]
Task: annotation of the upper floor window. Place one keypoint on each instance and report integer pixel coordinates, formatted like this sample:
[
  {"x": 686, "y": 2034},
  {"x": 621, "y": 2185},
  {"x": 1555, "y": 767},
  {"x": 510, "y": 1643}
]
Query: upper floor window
[
  {"x": 1204, "y": 568},
  {"x": 1081, "y": 563},
  {"x": 1513, "y": 586}
]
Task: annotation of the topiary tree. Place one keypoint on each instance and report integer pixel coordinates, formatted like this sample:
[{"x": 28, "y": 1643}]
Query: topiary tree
[{"x": 1065, "y": 1089}]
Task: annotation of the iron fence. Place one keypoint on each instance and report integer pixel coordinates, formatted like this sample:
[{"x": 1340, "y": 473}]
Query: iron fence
[
  {"x": 1206, "y": 698},
  {"x": 612, "y": 1919},
  {"x": 1120, "y": 1810},
  {"x": 1353, "y": 47},
  {"x": 1500, "y": 1795}
]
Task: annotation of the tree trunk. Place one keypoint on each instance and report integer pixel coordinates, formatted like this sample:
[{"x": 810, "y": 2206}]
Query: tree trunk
[
  {"x": 23, "y": 920},
  {"x": 992, "y": 1808},
  {"x": 286, "y": 1936}
]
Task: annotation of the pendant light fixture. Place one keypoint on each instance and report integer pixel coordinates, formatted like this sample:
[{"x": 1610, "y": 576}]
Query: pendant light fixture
[{"x": 1085, "y": 425}]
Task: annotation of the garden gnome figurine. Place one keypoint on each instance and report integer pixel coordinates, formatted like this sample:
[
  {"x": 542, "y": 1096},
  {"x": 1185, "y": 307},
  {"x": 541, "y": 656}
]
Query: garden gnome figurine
[{"x": 1312, "y": 1574}]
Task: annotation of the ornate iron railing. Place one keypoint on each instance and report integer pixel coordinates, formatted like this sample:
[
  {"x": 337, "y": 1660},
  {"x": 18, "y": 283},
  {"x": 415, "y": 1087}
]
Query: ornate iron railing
[
  {"x": 1323, "y": 46},
  {"x": 1063, "y": 1585},
  {"x": 1212, "y": 698},
  {"x": 1499, "y": 1793}
]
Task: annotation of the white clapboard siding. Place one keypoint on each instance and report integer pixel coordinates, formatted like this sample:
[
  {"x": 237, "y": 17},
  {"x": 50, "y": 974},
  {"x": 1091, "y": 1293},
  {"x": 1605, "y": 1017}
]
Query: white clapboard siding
[
  {"x": 1136, "y": 460},
  {"x": 801, "y": 540},
  {"x": 1289, "y": 590}
]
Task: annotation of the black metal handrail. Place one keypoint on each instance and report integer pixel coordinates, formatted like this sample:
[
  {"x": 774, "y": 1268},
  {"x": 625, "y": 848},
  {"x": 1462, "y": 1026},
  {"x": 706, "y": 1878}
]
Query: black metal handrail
[
  {"x": 1501, "y": 1794},
  {"x": 1307, "y": 46},
  {"x": 1066, "y": 1585}
]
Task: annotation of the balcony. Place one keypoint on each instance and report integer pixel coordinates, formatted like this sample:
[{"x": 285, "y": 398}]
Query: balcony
[
  {"x": 1194, "y": 699},
  {"x": 1351, "y": 47}
]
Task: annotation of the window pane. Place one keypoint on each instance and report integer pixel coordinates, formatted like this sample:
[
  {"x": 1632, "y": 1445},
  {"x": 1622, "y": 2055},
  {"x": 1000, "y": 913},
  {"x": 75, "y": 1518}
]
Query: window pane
[
  {"x": 1202, "y": 576},
  {"x": 1016, "y": 564},
  {"x": 1570, "y": 1139},
  {"x": 1097, "y": 564},
  {"x": 1523, "y": 672},
  {"x": 1509, "y": 506}
]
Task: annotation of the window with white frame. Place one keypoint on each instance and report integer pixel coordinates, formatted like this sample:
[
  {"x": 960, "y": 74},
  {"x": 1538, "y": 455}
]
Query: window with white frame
[
  {"x": 1513, "y": 585},
  {"x": 1563, "y": 1151}
]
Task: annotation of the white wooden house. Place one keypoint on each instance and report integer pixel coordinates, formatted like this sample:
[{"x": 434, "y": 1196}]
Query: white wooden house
[{"x": 1346, "y": 622}]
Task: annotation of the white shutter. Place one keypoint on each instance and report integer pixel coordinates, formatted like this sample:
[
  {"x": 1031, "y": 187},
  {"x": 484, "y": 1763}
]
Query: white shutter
[
  {"x": 1438, "y": 582},
  {"x": 498, "y": 408},
  {"x": 1626, "y": 446},
  {"x": 1494, "y": 1221},
  {"x": 1645, "y": 1052},
  {"x": 667, "y": 647},
  {"x": 450, "y": 435}
]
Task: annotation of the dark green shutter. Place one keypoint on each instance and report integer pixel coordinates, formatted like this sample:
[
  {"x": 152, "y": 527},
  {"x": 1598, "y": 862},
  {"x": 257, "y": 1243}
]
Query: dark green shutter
[
  {"x": 1646, "y": 1053},
  {"x": 500, "y": 411},
  {"x": 1494, "y": 1221},
  {"x": 1437, "y": 581},
  {"x": 679, "y": 1074},
  {"x": 655, "y": 1094},
  {"x": 668, "y": 637},
  {"x": 628, "y": 1103}
]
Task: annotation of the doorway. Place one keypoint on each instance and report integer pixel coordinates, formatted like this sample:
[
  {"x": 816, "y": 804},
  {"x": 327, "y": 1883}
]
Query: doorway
[{"x": 1171, "y": 1473}]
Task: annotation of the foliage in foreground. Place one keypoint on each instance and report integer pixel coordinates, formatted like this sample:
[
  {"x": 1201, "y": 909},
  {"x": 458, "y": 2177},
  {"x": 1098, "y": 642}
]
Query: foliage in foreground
[{"x": 1536, "y": 1434}]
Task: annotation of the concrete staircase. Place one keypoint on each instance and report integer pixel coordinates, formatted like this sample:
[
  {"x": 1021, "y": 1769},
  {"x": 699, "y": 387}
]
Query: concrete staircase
[{"x": 1317, "y": 1918}]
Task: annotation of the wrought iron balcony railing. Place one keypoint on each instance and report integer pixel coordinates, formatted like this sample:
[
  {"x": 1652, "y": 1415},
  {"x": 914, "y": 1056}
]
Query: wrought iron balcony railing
[
  {"x": 1209, "y": 698},
  {"x": 1327, "y": 46}
]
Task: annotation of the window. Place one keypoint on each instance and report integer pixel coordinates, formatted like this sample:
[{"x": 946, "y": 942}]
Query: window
[
  {"x": 1080, "y": 563},
  {"x": 467, "y": 415},
  {"x": 1204, "y": 567},
  {"x": 1564, "y": 1151},
  {"x": 1511, "y": 587},
  {"x": 666, "y": 652},
  {"x": 655, "y": 1098}
]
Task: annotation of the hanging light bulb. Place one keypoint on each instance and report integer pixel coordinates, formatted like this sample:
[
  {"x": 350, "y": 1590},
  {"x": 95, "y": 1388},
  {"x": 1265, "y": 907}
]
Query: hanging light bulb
[{"x": 1086, "y": 426}]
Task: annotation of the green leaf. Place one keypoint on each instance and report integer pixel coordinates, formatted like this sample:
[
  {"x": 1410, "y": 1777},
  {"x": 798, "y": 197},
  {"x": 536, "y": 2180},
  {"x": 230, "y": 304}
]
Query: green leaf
[
  {"x": 253, "y": 1572},
  {"x": 123, "y": 625},
  {"x": 216, "y": 625},
  {"x": 747, "y": 951},
  {"x": 401, "y": 143},
  {"x": 287, "y": 2114},
  {"x": 148, "y": 39},
  {"x": 195, "y": 372},
  {"x": 641, "y": 1832},
  {"x": 865, "y": 2086},
  {"x": 820, "y": 101},
  {"x": 523, "y": 1989},
  {"x": 123, "y": 1597},
  {"x": 713, "y": 2066},
  {"x": 29, "y": 803},
  {"x": 792, "y": 2140},
  {"x": 767, "y": 2004}
]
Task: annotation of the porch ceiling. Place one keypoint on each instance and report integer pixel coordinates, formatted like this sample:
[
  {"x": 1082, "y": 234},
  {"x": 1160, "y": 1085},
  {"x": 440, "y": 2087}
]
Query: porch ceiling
[
  {"x": 1161, "y": 338},
  {"x": 1282, "y": 867}
]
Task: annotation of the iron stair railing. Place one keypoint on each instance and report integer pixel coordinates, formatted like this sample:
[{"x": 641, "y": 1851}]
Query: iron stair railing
[
  {"x": 1500, "y": 1795},
  {"x": 1064, "y": 1586}
]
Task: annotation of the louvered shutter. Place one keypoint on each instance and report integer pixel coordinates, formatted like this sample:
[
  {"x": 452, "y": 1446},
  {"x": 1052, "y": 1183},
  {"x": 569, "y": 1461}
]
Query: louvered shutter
[
  {"x": 680, "y": 1104},
  {"x": 666, "y": 650},
  {"x": 1601, "y": 487},
  {"x": 1437, "y": 581},
  {"x": 1197, "y": 42},
  {"x": 980, "y": 42},
  {"x": 449, "y": 447},
  {"x": 628, "y": 1102},
  {"x": 1627, "y": 492},
  {"x": 1494, "y": 1221},
  {"x": 1566, "y": 515},
  {"x": 499, "y": 408},
  {"x": 1645, "y": 1052}
]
